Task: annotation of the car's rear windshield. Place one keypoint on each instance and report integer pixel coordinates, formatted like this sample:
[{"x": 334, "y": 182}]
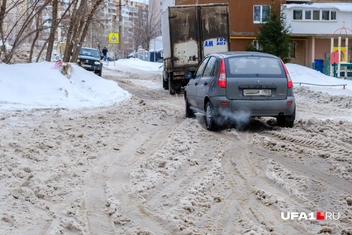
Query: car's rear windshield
[
  {"x": 89, "y": 52},
  {"x": 239, "y": 66}
]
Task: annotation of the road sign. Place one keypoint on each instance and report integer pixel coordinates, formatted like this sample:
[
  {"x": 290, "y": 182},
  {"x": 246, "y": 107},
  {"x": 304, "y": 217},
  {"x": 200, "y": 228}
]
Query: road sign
[{"x": 113, "y": 38}]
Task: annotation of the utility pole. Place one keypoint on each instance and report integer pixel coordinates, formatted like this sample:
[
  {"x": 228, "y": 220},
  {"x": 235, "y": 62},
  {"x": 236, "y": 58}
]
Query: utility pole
[{"x": 120, "y": 29}]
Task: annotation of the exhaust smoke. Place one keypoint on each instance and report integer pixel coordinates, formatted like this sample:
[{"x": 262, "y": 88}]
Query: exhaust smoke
[{"x": 239, "y": 119}]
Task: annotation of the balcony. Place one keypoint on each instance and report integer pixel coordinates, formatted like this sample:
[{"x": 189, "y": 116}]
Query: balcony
[{"x": 129, "y": 9}]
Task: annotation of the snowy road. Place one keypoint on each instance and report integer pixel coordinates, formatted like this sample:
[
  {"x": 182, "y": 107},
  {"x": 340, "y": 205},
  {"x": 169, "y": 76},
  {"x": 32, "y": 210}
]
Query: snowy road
[{"x": 141, "y": 167}]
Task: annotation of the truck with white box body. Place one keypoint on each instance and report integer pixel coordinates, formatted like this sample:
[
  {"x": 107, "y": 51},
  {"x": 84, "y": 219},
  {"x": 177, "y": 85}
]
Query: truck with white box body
[{"x": 189, "y": 33}]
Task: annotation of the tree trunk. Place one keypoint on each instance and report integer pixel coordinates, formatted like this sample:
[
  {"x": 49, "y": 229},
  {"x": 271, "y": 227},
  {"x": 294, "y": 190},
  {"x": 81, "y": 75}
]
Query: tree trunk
[
  {"x": 85, "y": 28},
  {"x": 27, "y": 19},
  {"x": 41, "y": 51},
  {"x": 77, "y": 34},
  {"x": 2, "y": 16},
  {"x": 72, "y": 31},
  {"x": 34, "y": 42},
  {"x": 52, "y": 31}
]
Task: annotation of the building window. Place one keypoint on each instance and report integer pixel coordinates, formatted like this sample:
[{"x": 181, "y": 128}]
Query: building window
[
  {"x": 321, "y": 15},
  {"x": 328, "y": 15},
  {"x": 325, "y": 15},
  {"x": 316, "y": 15},
  {"x": 260, "y": 13},
  {"x": 297, "y": 14},
  {"x": 308, "y": 14}
]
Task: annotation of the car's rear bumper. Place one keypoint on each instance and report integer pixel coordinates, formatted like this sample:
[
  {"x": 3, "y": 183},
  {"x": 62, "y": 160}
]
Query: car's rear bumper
[{"x": 255, "y": 108}]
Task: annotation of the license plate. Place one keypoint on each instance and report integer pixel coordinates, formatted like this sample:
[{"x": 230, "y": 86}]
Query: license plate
[
  {"x": 256, "y": 92},
  {"x": 87, "y": 66}
]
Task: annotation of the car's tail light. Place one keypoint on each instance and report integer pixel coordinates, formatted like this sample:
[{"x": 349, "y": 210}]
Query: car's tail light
[
  {"x": 222, "y": 75},
  {"x": 288, "y": 77}
]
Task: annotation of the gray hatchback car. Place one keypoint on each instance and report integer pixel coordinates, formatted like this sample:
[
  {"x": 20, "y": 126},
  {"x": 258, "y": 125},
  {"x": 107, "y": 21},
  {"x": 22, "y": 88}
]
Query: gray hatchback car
[{"x": 232, "y": 86}]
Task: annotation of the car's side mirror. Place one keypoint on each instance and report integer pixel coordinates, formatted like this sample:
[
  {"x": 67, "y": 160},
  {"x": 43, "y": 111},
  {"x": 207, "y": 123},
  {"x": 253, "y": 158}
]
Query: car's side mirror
[{"x": 188, "y": 75}]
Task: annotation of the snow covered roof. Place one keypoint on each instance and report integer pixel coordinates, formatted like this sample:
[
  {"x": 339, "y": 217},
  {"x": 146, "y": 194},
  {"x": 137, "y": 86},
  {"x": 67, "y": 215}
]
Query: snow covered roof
[{"x": 346, "y": 7}]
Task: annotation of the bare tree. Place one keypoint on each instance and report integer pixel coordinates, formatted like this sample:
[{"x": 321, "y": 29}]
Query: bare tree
[
  {"x": 85, "y": 29},
  {"x": 70, "y": 32},
  {"x": 23, "y": 22},
  {"x": 53, "y": 29},
  {"x": 17, "y": 20},
  {"x": 100, "y": 27},
  {"x": 80, "y": 22},
  {"x": 146, "y": 30},
  {"x": 36, "y": 36}
]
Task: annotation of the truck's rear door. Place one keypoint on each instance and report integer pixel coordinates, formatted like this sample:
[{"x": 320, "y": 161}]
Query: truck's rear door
[
  {"x": 214, "y": 28},
  {"x": 184, "y": 36}
]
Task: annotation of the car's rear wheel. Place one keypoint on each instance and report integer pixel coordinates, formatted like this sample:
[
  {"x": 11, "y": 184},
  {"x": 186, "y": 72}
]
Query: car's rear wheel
[
  {"x": 210, "y": 117},
  {"x": 189, "y": 111},
  {"x": 287, "y": 121}
]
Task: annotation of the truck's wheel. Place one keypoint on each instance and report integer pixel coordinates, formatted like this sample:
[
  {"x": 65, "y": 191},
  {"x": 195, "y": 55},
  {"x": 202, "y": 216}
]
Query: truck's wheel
[
  {"x": 171, "y": 85},
  {"x": 165, "y": 81},
  {"x": 177, "y": 86}
]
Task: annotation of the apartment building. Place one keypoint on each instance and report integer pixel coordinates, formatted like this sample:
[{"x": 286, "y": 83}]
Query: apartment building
[
  {"x": 155, "y": 10},
  {"x": 310, "y": 35},
  {"x": 132, "y": 12},
  {"x": 156, "y": 6},
  {"x": 245, "y": 16},
  {"x": 104, "y": 21}
]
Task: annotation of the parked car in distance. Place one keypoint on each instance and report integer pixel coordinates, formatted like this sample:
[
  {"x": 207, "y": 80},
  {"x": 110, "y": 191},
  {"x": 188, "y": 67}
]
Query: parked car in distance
[
  {"x": 231, "y": 85},
  {"x": 89, "y": 59}
]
